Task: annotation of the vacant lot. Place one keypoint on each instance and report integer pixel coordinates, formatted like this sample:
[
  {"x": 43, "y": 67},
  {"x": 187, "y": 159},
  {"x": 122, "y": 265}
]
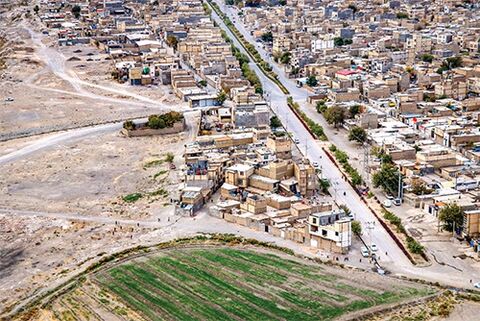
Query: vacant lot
[{"x": 222, "y": 283}]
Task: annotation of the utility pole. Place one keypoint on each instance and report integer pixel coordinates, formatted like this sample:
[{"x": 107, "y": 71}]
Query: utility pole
[
  {"x": 366, "y": 162},
  {"x": 400, "y": 186},
  {"x": 370, "y": 226}
]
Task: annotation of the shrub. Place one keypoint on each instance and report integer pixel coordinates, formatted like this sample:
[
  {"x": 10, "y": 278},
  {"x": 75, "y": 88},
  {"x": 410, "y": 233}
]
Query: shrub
[
  {"x": 169, "y": 157},
  {"x": 129, "y": 125},
  {"x": 164, "y": 120},
  {"x": 130, "y": 198},
  {"x": 414, "y": 246}
]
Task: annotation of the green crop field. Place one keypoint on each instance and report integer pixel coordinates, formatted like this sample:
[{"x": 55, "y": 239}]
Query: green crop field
[{"x": 227, "y": 283}]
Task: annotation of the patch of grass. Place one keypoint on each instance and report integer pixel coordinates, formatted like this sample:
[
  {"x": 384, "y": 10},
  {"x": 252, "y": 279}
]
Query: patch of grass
[
  {"x": 229, "y": 283},
  {"x": 131, "y": 198},
  {"x": 159, "y": 192},
  {"x": 153, "y": 163},
  {"x": 162, "y": 172}
]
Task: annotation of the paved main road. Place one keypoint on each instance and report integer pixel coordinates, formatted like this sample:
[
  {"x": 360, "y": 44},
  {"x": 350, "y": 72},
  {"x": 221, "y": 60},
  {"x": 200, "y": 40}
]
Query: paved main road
[
  {"x": 340, "y": 188},
  {"x": 396, "y": 261}
]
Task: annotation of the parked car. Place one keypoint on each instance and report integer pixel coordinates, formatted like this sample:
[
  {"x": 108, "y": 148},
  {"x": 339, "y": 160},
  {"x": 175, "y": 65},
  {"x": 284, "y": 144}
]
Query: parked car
[
  {"x": 477, "y": 285},
  {"x": 172, "y": 166},
  {"x": 387, "y": 203},
  {"x": 315, "y": 164},
  {"x": 397, "y": 202},
  {"x": 9, "y": 99},
  {"x": 365, "y": 252},
  {"x": 296, "y": 140},
  {"x": 373, "y": 247}
]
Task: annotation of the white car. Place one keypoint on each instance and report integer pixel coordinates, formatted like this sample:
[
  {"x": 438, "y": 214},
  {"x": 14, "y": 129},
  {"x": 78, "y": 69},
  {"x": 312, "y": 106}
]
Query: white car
[
  {"x": 296, "y": 140},
  {"x": 477, "y": 285},
  {"x": 365, "y": 252},
  {"x": 9, "y": 99},
  {"x": 315, "y": 164},
  {"x": 387, "y": 203},
  {"x": 397, "y": 202},
  {"x": 373, "y": 247}
]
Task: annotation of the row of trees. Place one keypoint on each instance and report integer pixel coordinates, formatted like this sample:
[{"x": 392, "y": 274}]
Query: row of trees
[
  {"x": 165, "y": 120},
  {"x": 243, "y": 61},
  {"x": 336, "y": 116},
  {"x": 342, "y": 158},
  {"x": 450, "y": 63},
  {"x": 339, "y": 41}
]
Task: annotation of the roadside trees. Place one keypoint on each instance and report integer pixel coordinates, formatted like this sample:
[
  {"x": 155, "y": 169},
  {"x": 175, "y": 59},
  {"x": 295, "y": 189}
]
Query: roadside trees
[
  {"x": 312, "y": 81},
  {"x": 335, "y": 115},
  {"x": 358, "y": 134},
  {"x": 387, "y": 178},
  {"x": 451, "y": 216}
]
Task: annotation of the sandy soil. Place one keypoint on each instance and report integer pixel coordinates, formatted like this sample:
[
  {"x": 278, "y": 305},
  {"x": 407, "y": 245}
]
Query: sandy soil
[{"x": 51, "y": 91}]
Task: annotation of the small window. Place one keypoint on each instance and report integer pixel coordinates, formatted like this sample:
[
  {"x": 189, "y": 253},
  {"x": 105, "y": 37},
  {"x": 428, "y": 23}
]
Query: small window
[{"x": 324, "y": 232}]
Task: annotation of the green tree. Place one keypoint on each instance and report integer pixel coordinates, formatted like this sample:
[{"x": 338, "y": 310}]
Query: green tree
[
  {"x": 334, "y": 115},
  {"x": 418, "y": 187},
  {"x": 36, "y": 9},
  {"x": 172, "y": 41},
  {"x": 285, "y": 58},
  {"x": 402, "y": 15},
  {"x": 282, "y": 2},
  {"x": 321, "y": 107},
  {"x": 354, "y": 110},
  {"x": 129, "y": 125},
  {"x": 221, "y": 97},
  {"x": 356, "y": 228},
  {"x": 358, "y": 134},
  {"x": 450, "y": 63},
  {"x": 156, "y": 122},
  {"x": 203, "y": 83},
  {"x": 376, "y": 151},
  {"x": 427, "y": 58},
  {"x": 312, "y": 81},
  {"x": 451, "y": 215},
  {"x": 267, "y": 37},
  {"x": 338, "y": 41},
  {"x": 387, "y": 178},
  {"x": 76, "y": 11},
  {"x": 169, "y": 157},
  {"x": 353, "y": 8},
  {"x": 324, "y": 185},
  {"x": 345, "y": 209},
  {"x": 275, "y": 122},
  {"x": 252, "y": 3},
  {"x": 385, "y": 158}
]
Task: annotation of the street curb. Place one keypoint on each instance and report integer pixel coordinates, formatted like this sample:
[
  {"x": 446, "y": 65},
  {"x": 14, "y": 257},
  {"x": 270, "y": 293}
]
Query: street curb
[{"x": 384, "y": 225}]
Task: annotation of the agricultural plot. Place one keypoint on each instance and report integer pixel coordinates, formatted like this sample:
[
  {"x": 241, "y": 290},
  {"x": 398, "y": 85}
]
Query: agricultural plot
[{"x": 228, "y": 283}]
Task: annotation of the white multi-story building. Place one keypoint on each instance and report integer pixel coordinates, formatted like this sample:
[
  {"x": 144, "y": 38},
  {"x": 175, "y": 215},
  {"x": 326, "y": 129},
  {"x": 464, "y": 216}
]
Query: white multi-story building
[
  {"x": 330, "y": 231},
  {"x": 322, "y": 43}
]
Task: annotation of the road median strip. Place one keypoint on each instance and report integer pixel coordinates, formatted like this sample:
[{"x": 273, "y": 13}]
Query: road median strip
[
  {"x": 412, "y": 249},
  {"x": 249, "y": 48}
]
